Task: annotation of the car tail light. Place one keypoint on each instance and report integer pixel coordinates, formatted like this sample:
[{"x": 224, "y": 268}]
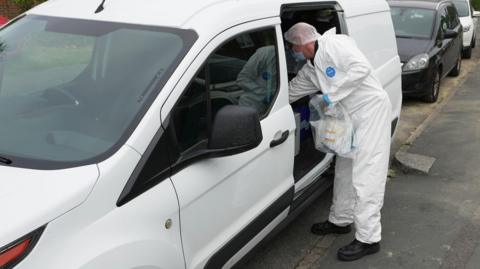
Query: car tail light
[{"x": 13, "y": 253}]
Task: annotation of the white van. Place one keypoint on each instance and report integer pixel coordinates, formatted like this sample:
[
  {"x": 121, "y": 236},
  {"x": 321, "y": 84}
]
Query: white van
[{"x": 122, "y": 141}]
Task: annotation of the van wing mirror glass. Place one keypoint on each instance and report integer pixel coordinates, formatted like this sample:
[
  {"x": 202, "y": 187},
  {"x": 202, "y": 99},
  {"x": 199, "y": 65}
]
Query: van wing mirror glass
[
  {"x": 449, "y": 34},
  {"x": 236, "y": 129}
]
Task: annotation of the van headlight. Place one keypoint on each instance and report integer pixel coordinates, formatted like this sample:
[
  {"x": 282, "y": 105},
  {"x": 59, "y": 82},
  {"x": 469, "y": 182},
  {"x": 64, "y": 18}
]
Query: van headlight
[
  {"x": 416, "y": 63},
  {"x": 467, "y": 28}
]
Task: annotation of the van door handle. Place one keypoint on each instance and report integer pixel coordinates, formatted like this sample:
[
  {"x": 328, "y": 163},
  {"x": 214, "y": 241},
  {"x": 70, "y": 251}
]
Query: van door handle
[{"x": 279, "y": 141}]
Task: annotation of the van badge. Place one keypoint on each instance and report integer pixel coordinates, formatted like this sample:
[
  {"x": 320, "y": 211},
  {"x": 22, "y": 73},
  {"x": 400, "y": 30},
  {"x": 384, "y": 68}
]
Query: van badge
[{"x": 330, "y": 72}]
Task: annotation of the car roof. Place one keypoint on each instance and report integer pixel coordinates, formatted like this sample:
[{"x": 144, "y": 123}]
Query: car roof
[
  {"x": 427, "y": 4},
  {"x": 191, "y": 14}
]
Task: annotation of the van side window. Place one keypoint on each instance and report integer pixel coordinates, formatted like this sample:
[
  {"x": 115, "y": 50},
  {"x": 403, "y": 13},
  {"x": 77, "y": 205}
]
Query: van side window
[{"x": 242, "y": 71}]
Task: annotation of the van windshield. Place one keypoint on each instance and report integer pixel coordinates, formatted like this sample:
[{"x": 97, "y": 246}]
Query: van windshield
[
  {"x": 413, "y": 22},
  {"x": 72, "y": 91}
]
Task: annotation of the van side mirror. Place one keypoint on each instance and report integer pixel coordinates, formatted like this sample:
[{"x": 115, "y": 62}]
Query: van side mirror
[
  {"x": 449, "y": 34},
  {"x": 476, "y": 14},
  {"x": 236, "y": 129}
]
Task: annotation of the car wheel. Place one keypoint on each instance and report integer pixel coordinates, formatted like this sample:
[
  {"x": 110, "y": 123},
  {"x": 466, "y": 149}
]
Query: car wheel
[
  {"x": 474, "y": 41},
  {"x": 456, "y": 70},
  {"x": 467, "y": 53},
  {"x": 432, "y": 95}
]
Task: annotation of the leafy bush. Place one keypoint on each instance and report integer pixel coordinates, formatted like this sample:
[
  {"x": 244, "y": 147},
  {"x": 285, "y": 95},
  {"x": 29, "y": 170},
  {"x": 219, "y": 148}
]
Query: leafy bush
[
  {"x": 476, "y": 4},
  {"x": 27, "y": 4}
]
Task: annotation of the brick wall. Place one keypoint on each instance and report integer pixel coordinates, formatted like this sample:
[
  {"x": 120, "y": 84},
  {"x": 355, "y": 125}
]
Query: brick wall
[{"x": 8, "y": 9}]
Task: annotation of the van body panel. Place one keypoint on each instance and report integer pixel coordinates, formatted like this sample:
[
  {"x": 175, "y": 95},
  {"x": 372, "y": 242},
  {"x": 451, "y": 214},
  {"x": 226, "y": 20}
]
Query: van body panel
[
  {"x": 194, "y": 13},
  {"x": 146, "y": 12},
  {"x": 99, "y": 235},
  {"x": 353, "y": 8},
  {"x": 388, "y": 74},
  {"x": 381, "y": 50},
  {"x": 31, "y": 198}
]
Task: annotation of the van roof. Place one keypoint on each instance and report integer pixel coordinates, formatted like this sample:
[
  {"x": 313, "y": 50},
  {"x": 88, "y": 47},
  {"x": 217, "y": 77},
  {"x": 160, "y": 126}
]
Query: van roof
[{"x": 189, "y": 14}]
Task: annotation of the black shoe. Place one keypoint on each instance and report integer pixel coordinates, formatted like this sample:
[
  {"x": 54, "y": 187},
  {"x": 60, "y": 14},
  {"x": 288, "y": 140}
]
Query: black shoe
[
  {"x": 327, "y": 227},
  {"x": 357, "y": 250}
]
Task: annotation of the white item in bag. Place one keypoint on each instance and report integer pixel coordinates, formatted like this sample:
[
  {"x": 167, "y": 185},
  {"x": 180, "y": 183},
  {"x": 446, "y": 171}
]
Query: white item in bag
[{"x": 332, "y": 128}]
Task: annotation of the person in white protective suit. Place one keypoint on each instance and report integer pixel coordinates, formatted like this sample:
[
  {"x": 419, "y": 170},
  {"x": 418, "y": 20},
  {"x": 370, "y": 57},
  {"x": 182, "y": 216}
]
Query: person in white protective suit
[
  {"x": 338, "y": 69},
  {"x": 258, "y": 79}
]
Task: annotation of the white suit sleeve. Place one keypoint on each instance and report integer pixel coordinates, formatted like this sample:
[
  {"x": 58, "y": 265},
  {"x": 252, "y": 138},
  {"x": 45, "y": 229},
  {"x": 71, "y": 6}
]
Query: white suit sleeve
[
  {"x": 248, "y": 76},
  {"x": 301, "y": 85},
  {"x": 346, "y": 57}
]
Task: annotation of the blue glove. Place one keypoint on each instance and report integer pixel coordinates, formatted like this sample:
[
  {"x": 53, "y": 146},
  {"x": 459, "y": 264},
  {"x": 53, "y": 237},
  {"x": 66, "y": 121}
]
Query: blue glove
[
  {"x": 327, "y": 100},
  {"x": 329, "y": 106}
]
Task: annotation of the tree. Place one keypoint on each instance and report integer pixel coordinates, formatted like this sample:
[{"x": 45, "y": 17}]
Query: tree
[
  {"x": 27, "y": 4},
  {"x": 476, "y": 4}
]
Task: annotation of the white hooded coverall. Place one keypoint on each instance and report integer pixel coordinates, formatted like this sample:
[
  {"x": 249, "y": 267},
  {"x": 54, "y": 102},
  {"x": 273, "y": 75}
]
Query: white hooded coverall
[{"x": 343, "y": 73}]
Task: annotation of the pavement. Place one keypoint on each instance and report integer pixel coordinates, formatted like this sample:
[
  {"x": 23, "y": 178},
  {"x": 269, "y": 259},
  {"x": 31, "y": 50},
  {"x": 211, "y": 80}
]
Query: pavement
[
  {"x": 429, "y": 220},
  {"x": 433, "y": 221}
]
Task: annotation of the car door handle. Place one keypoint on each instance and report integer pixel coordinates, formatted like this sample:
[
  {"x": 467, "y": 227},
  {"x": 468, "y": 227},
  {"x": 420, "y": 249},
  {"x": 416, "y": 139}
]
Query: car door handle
[{"x": 280, "y": 140}]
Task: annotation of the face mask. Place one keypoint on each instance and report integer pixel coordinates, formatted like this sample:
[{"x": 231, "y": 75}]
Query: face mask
[{"x": 298, "y": 56}]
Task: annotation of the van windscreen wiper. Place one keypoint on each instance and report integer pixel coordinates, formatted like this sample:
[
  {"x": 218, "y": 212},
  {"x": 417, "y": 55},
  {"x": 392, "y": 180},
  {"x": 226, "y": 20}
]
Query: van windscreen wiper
[
  {"x": 5, "y": 160},
  {"x": 100, "y": 8}
]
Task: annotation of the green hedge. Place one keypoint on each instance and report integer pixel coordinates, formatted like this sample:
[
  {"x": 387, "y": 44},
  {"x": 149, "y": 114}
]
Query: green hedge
[
  {"x": 27, "y": 4},
  {"x": 476, "y": 4}
]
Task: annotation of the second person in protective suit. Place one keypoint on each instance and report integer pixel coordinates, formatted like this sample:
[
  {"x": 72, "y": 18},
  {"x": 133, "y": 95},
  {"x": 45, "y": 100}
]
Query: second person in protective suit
[{"x": 336, "y": 67}]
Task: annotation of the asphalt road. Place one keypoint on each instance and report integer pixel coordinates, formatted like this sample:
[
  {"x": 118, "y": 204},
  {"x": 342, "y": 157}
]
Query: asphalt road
[{"x": 428, "y": 221}]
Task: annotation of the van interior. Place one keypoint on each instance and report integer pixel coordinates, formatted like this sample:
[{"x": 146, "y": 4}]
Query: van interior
[{"x": 323, "y": 17}]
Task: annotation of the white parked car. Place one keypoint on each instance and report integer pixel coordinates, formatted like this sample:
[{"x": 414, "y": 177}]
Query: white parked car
[
  {"x": 468, "y": 19},
  {"x": 122, "y": 141}
]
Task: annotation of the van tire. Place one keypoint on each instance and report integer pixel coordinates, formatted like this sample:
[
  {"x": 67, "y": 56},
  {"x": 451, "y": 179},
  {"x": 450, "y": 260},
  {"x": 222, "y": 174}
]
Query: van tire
[
  {"x": 458, "y": 67},
  {"x": 434, "y": 91}
]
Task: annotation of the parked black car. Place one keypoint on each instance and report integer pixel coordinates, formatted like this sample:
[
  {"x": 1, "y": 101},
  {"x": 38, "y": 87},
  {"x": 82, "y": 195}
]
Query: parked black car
[{"x": 429, "y": 41}]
